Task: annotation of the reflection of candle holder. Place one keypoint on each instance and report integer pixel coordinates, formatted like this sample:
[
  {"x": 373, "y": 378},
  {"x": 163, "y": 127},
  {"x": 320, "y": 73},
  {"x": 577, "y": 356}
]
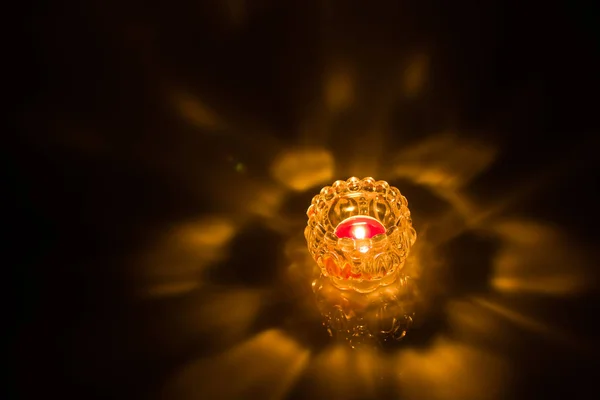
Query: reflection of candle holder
[
  {"x": 360, "y": 232},
  {"x": 383, "y": 315}
]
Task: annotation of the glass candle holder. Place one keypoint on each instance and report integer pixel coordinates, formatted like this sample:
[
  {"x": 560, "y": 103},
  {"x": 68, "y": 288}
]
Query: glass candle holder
[{"x": 360, "y": 233}]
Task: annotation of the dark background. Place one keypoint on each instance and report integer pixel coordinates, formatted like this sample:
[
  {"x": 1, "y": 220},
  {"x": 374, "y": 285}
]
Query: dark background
[{"x": 104, "y": 164}]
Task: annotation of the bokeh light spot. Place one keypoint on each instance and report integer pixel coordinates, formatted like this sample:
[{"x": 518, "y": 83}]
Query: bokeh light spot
[
  {"x": 339, "y": 90},
  {"x": 303, "y": 168},
  {"x": 195, "y": 112},
  {"x": 415, "y": 75}
]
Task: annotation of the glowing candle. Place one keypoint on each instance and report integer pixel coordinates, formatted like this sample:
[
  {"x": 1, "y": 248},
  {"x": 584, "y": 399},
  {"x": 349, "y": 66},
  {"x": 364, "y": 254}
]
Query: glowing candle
[
  {"x": 359, "y": 232},
  {"x": 359, "y": 227}
]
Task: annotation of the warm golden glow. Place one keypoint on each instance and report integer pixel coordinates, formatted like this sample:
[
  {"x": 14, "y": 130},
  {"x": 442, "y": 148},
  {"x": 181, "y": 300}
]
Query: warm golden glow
[
  {"x": 330, "y": 371},
  {"x": 265, "y": 335},
  {"x": 194, "y": 111},
  {"x": 302, "y": 169},
  {"x": 339, "y": 90},
  {"x": 359, "y": 232},
  {"x": 459, "y": 363},
  {"x": 450, "y": 370},
  {"x": 174, "y": 264},
  {"x": 535, "y": 258},
  {"x": 444, "y": 162},
  {"x": 267, "y": 364},
  {"x": 415, "y": 75},
  {"x": 542, "y": 328}
]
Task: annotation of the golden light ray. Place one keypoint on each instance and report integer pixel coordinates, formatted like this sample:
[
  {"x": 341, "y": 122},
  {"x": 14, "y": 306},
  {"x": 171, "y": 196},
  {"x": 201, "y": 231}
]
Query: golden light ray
[
  {"x": 445, "y": 164},
  {"x": 263, "y": 367},
  {"x": 339, "y": 89},
  {"x": 415, "y": 75},
  {"x": 536, "y": 258},
  {"x": 226, "y": 312},
  {"x": 445, "y": 161},
  {"x": 370, "y": 369},
  {"x": 485, "y": 323},
  {"x": 301, "y": 169},
  {"x": 369, "y": 146},
  {"x": 471, "y": 323},
  {"x": 448, "y": 175},
  {"x": 194, "y": 111},
  {"x": 337, "y": 94},
  {"x": 533, "y": 325},
  {"x": 253, "y": 198},
  {"x": 341, "y": 373},
  {"x": 450, "y": 370},
  {"x": 424, "y": 257},
  {"x": 443, "y": 228},
  {"x": 573, "y": 159},
  {"x": 173, "y": 265},
  {"x": 215, "y": 315},
  {"x": 267, "y": 201}
]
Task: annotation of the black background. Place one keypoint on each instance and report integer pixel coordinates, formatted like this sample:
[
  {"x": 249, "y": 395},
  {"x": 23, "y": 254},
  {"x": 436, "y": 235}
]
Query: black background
[{"x": 103, "y": 164}]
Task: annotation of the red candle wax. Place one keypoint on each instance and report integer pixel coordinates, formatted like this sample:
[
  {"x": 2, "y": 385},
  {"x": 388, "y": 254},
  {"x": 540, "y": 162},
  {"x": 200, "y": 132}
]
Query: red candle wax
[{"x": 359, "y": 227}]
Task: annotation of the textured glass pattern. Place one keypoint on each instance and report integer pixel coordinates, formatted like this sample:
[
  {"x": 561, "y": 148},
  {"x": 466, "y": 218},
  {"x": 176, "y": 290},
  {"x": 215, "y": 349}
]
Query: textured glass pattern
[
  {"x": 359, "y": 262},
  {"x": 366, "y": 319}
]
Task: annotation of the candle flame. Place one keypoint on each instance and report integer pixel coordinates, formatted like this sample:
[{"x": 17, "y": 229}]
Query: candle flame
[{"x": 359, "y": 232}]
